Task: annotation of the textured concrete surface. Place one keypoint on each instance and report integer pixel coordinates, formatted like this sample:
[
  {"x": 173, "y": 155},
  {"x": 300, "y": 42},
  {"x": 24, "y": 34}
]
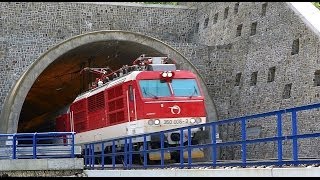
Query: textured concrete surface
[
  {"x": 41, "y": 164},
  {"x": 242, "y": 172}
]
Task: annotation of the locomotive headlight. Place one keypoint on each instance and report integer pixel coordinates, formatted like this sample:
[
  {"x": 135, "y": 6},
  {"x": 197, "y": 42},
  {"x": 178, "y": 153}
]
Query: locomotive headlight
[
  {"x": 192, "y": 120},
  {"x": 154, "y": 122},
  {"x": 150, "y": 122},
  {"x": 164, "y": 74},
  {"x": 198, "y": 120},
  {"x": 157, "y": 122},
  {"x": 169, "y": 74}
]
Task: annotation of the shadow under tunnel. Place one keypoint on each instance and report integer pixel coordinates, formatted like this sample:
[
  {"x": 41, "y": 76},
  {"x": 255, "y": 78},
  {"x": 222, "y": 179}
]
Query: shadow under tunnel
[{"x": 60, "y": 83}]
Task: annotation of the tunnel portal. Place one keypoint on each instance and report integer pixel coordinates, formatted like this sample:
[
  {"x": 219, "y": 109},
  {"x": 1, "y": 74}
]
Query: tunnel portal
[
  {"x": 54, "y": 80},
  {"x": 60, "y": 83}
]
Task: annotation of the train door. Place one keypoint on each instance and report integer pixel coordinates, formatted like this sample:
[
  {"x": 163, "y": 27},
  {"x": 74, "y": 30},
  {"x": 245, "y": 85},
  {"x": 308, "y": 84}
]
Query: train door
[{"x": 132, "y": 109}]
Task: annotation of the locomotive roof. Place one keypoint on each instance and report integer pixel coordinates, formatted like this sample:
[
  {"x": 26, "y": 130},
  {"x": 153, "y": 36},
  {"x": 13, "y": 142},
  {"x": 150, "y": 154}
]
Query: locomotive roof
[
  {"x": 124, "y": 78},
  {"x": 127, "y": 77}
]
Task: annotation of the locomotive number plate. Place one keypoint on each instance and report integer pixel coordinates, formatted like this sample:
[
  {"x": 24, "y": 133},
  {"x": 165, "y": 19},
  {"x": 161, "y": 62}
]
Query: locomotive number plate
[{"x": 175, "y": 121}]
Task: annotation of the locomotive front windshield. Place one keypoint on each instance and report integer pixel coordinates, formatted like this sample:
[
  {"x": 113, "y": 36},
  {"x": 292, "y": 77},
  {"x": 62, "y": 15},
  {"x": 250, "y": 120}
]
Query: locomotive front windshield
[
  {"x": 185, "y": 87},
  {"x": 153, "y": 88},
  {"x": 180, "y": 88}
]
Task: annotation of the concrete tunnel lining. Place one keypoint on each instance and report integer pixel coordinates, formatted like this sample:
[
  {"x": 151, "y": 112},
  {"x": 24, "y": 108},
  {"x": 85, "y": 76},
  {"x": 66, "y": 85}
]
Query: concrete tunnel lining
[{"x": 14, "y": 101}]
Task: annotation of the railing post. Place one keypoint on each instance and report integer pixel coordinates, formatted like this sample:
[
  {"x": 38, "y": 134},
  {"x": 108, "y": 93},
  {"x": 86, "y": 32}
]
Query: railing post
[
  {"x": 72, "y": 145},
  {"x": 85, "y": 155},
  {"x": 244, "y": 144},
  {"x": 161, "y": 149},
  {"x": 125, "y": 155},
  {"x": 189, "y": 148},
  {"x": 130, "y": 152},
  {"x": 294, "y": 138},
  {"x": 34, "y": 145},
  {"x": 113, "y": 155},
  {"x": 14, "y": 146},
  {"x": 181, "y": 149},
  {"x": 144, "y": 152},
  {"x": 102, "y": 155},
  {"x": 214, "y": 144},
  {"x": 92, "y": 156},
  {"x": 279, "y": 134}
]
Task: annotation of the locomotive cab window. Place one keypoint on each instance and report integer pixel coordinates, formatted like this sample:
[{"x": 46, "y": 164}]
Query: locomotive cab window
[
  {"x": 185, "y": 87},
  {"x": 154, "y": 88}
]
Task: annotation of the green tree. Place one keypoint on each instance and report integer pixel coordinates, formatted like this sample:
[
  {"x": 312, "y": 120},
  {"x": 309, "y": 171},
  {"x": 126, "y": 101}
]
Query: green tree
[{"x": 316, "y": 4}]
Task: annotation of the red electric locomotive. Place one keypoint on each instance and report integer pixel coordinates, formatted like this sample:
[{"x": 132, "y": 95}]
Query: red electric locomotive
[{"x": 149, "y": 96}]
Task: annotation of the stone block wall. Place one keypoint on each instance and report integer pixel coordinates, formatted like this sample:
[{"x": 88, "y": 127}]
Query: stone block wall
[
  {"x": 254, "y": 56},
  {"x": 246, "y": 43},
  {"x": 29, "y": 29}
]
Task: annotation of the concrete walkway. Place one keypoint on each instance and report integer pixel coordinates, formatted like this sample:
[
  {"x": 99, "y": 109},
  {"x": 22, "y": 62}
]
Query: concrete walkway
[{"x": 236, "y": 172}]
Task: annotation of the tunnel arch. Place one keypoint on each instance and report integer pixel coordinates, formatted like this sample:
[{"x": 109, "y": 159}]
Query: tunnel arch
[{"x": 14, "y": 101}]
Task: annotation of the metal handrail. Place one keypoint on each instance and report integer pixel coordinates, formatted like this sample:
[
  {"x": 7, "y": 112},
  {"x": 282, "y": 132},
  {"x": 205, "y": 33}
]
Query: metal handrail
[
  {"x": 37, "y": 145},
  {"x": 90, "y": 156}
]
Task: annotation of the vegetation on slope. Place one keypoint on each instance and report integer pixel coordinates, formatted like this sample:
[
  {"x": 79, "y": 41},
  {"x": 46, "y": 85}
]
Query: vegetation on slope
[{"x": 316, "y": 4}]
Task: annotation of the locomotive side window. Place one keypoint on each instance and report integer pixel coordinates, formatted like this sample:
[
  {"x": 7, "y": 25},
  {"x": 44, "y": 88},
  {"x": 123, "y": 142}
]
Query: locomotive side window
[
  {"x": 154, "y": 88},
  {"x": 130, "y": 93},
  {"x": 185, "y": 87}
]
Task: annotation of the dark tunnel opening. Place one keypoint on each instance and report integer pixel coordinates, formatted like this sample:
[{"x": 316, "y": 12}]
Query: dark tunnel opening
[{"x": 60, "y": 83}]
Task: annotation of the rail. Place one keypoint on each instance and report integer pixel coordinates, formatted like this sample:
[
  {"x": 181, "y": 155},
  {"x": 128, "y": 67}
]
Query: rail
[
  {"x": 285, "y": 140},
  {"x": 38, "y": 145}
]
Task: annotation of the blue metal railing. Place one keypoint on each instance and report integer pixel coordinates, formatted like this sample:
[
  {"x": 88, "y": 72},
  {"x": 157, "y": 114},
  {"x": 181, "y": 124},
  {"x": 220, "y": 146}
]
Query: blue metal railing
[
  {"x": 122, "y": 157},
  {"x": 37, "y": 145}
]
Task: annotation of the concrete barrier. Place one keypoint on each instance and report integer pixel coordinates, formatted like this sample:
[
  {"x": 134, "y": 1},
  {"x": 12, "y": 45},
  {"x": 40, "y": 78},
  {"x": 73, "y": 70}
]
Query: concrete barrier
[
  {"x": 41, "y": 167},
  {"x": 41, "y": 164},
  {"x": 237, "y": 172}
]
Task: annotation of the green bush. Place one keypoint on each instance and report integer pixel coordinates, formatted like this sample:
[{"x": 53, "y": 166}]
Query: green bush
[{"x": 316, "y": 4}]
